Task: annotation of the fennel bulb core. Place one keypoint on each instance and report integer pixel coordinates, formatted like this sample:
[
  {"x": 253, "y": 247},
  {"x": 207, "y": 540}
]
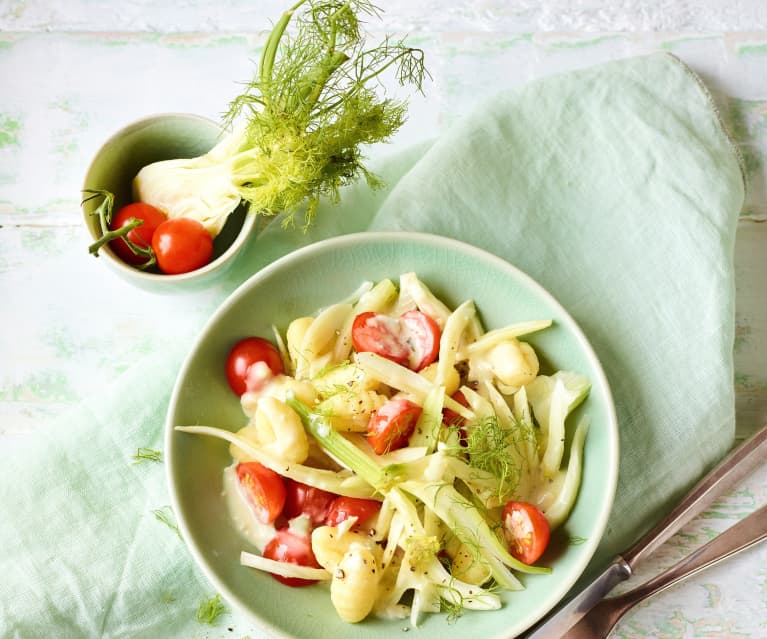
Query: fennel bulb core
[{"x": 200, "y": 188}]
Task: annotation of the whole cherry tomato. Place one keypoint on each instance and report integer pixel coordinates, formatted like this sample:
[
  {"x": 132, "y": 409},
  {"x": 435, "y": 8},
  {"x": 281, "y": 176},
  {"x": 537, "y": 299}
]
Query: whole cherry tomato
[
  {"x": 291, "y": 548},
  {"x": 392, "y": 424},
  {"x": 241, "y": 370},
  {"x": 181, "y": 244},
  {"x": 141, "y": 236},
  {"x": 264, "y": 490},
  {"x": 526, "y": 530}
]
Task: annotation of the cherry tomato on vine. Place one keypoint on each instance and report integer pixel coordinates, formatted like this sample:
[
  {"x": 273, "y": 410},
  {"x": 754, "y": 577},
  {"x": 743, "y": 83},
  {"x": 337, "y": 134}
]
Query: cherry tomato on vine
[
  {"x": 181, "y": 244},
  {"x": 526, "y": 530},
  {"x": 141, "y": 236},
  {"x": 291, "y": 548},
  {"x": 264, "y": 490},
  {"x": 243, "y": 371},
  {"x": 344, "y": 508},
  {"x": 391, "y": 425},
  {"x": 307, "y": 500}
]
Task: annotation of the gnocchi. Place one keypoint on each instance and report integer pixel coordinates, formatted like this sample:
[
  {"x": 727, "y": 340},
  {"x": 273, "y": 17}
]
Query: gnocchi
[
  {"x": 354, "y": 588},
  {"x": 278, "y": 431}
]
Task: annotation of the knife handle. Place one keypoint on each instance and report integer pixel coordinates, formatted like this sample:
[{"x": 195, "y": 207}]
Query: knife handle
[
  {"x": 744, "y": 534},
  {"x": 732, "y": 469}
]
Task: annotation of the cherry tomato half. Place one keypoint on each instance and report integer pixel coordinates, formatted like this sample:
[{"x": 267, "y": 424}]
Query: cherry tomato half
[
  {"x": 345, "y": 507},
  {"x": 380, "y": 334},
  {"x": 422, "y": 337},
  {"x": 307, "y": 500},
  {"x": 181, "y": 244},
  {"x": 264, "y": 490},
  {"x": 241, "y": 372},
  {"x": 526, "y": 530},
  {"x": 411, "y": 340},
  {"x": 391, "y": 425},
  {"x": 141, "y": 236},
  {"x": 292, "y": 549}
]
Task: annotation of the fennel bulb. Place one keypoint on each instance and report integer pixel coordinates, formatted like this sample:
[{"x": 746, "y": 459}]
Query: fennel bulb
[
  {"x": 202, "y": 188},
  {"x": 305, "y": 115}
]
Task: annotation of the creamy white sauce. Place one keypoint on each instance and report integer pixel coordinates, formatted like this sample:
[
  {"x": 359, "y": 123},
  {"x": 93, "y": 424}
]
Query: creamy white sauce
[
  {"x": 398, "y": 337},
  {"x": 391, "y": 333},
  {"x": 257, "y": 375}
]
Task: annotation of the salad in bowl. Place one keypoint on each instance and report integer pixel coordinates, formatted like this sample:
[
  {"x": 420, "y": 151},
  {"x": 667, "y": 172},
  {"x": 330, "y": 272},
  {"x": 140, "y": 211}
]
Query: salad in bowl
[{"x": 396, "y": 457}]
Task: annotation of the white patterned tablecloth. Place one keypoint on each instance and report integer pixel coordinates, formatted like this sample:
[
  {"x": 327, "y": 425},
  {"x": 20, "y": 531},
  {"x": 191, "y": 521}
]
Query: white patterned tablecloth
[{"x": 73, "y": 72}]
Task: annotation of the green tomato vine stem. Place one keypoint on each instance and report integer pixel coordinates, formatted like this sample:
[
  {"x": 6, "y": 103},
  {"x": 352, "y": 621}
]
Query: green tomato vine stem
[{"x": 104, "y": 213}]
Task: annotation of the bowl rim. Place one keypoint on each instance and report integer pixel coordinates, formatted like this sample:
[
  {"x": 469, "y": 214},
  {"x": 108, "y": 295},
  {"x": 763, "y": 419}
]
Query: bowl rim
[
  {"x": 130, "y": 271},
  {"x": 588, "y": 548}
]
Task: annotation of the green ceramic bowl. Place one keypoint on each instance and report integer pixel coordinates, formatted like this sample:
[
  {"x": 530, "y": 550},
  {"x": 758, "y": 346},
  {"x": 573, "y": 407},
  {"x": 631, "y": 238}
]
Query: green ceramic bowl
[
  {"x": 165, "y": 136},
  {"x": 303, "y": 282}
]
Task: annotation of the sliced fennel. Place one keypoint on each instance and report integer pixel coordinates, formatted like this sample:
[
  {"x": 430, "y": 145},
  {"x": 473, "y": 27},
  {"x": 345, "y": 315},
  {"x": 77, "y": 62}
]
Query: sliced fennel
[
  {"x": 283, "y": 568},
  {"x": 553, "y": 398},
  {"x": 450, "y": 340},
  {"x": 560, "y": 509},
  {"x": 470, "y": 527},
  {"x": 495, "y": 337},
  {"x": 460, "y": 516},
  {"x": 412, "y": 287},
  {"x": 404, "y": 379},
  {"x": 439, "y": 496},
  {"x": 340, "y": 483},
  {"x": 421, "y": 571},
  {"x": 428, "y": 426}
]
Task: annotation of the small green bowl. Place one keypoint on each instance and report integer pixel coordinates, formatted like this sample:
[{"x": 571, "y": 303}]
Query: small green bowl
[
  {"x": 300, "y": 284},
  {"x": 164, "y": 136}
]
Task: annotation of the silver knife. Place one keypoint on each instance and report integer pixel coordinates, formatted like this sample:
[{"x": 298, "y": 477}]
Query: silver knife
[
  {"x": 601, "y": 619},
  {"x": 732, "y": 469}
]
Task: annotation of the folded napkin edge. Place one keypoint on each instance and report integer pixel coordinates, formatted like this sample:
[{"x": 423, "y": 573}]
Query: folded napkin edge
[{"x": 708, "y": 96}]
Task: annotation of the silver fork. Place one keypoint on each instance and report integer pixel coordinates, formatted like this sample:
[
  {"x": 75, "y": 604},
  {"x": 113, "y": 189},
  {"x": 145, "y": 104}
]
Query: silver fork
[{"x": 601, "y": 619}]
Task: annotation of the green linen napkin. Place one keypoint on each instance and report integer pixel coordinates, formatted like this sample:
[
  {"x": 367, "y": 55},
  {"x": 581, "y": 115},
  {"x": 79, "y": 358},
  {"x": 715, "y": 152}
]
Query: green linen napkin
[{"x": 615, "y": 187}]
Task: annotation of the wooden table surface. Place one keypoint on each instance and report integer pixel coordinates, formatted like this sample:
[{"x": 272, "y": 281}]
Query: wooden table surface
[{"x": 73, "y": 72}]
